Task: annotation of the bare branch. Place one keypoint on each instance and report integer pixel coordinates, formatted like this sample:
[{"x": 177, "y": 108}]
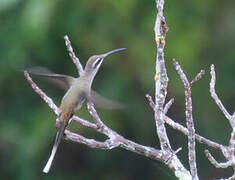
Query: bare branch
[
  {"x": 89, "y": 142},
  {"x": 168, "y": 105},
  {"x": 228, "y": 151},
  {"x": 230, "y": 155},
  {"x": 184, "y": 130},
  {"x": 216, "y": 98},
  {"x": 84, "y": 122},
  {"x": 151, "y": 103},
  {"x": 48, "y": 100},
  {"x": 178, "y": 150},
  {"x": 197, "y": 77},
  {"x": 181, "y": 74},
  {"x": 161, "y": 79},
  {"x": 215, "y": 163},
  {"x": 96, "y": 118},
  {"x": 72, "y": 55},
  {"x": 189, "y": 121}
]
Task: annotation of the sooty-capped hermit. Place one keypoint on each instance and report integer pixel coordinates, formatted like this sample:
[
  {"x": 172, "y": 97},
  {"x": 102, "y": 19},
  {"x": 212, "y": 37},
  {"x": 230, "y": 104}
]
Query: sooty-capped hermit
[{"x": 73, "y": 99}]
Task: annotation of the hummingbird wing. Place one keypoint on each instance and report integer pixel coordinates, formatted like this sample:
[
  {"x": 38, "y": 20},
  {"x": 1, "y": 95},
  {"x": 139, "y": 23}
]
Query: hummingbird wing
[
  {"x": 105, "y": 103},
  {"x": 63, "y": 81}
]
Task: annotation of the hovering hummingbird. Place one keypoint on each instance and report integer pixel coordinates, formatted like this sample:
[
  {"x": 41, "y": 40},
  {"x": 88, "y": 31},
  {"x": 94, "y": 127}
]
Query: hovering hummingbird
[{"x": 78, "y": 90}]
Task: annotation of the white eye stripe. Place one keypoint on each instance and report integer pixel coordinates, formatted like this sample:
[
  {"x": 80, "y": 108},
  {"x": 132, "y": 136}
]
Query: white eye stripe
[{"x": 97, "y": 62}]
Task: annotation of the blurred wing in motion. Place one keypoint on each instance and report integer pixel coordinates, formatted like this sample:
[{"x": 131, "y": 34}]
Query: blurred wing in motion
[
  {"x": 105, "y": 103},
  {"x": 63, "y": 81}
]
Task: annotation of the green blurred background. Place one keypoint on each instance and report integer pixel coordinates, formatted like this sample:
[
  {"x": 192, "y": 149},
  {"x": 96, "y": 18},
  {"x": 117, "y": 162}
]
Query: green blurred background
[{"x": 31, "y": 34}]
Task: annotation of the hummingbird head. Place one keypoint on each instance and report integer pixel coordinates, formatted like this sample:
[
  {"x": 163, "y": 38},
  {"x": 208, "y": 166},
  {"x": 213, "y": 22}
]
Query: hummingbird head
[{"x": 94, "y": 62}]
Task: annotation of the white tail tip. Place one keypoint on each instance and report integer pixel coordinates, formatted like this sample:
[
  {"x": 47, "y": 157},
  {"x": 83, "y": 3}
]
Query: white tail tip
[{"x": 50, "y": 160}]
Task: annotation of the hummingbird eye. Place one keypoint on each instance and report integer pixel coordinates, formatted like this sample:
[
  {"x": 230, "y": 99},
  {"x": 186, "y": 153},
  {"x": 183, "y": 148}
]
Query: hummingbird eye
[{"x": 97, "y": 62}]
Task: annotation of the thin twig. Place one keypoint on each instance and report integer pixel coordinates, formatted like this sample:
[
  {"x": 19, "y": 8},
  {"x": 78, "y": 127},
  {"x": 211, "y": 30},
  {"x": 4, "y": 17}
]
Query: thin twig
[
  {"x": 198, "y": 77},
  {"x": 183, "y": 129},
  {"x": 151, "y": 103},
  {"x": 84, "y": 122},
  {"x": 189, "y": 121},
  {"x": 92, "y": 111},
  {"x": 178, "y": 150},
  {"x": 89, "y": 142},
  {"x": 215, "y": 163},
  {"x": 48, "y": 100},
  {"x": 72, "y": 55},
  {"x": 228, "y": 151},
  {"x": 168, "y": 105},
  {"x": 216, "y": 98}
]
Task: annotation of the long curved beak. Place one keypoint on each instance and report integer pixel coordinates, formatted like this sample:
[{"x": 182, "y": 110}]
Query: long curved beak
[{"x": 113, "y": 51}]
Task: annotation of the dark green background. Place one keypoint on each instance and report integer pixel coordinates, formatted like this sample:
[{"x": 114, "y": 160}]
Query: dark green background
[{"x": 31, "y": 33}]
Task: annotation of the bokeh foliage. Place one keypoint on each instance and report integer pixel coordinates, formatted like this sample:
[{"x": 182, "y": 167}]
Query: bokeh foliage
[{"x": 31, "y": 33}]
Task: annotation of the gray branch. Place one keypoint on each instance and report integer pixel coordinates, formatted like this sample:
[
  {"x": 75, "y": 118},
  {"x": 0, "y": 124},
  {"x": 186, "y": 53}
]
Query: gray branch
[
  {"x": 189, "y": 119},
  {"x": 168, "y": 106},
  {"x": 228, "y": 151},
  {"x": 161, "y": 79},
  {"x": 184, "y": 130},
  {"x": 72, "y": 55},
  {"x": 216, "y": 98},
  {"x": 215, "y": 163}
]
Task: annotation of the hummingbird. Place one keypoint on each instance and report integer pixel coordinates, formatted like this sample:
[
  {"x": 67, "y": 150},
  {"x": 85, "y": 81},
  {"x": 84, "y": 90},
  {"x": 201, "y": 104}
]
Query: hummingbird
[{"x": 78, "y": 90}]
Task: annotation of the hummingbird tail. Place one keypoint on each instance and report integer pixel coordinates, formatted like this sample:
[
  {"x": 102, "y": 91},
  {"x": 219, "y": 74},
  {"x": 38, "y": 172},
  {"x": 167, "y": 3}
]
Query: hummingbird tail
[
  {"x": 58, "y": 139},
  {"x": 50, "y": 160}
]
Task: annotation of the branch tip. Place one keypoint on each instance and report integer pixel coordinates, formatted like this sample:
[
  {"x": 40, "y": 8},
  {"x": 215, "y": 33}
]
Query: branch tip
[
  {"x": 178, "y": 150},
  {"x": 72, "y": 55},
  {"x": 217, "y": 99},
  {"x": 198, "y": 77},
  {"x": 151, "y": 103},
  {"x": 215, "y": 163},
  {"x": 168, "y": 105}
]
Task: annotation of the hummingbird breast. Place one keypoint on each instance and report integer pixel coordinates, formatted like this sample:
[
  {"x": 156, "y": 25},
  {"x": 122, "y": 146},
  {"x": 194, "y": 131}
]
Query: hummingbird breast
[{"x": 73, "y": 99}]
